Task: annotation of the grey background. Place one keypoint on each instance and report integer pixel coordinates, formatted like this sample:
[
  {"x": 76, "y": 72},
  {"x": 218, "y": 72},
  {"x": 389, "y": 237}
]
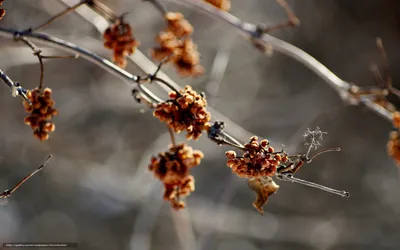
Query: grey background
[{"x": 97, "y": 190}]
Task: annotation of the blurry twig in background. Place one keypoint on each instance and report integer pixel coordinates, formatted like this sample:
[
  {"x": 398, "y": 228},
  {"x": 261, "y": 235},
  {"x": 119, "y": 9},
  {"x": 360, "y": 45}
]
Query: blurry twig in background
[
  {"x": 8, "y": 192},
  {"x": 252, "y": 31}
]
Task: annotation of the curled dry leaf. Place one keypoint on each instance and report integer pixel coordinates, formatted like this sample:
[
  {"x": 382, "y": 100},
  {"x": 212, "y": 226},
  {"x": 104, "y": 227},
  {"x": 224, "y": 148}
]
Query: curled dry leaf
[
  {"x": 393, "y": 146},
  {"x": 41, "y": 112},
  {"x": 172, "y": 168},
  {"x": 264, "y": 188},
  {"x": 258, "y": 160},
  {"x": 221, "y": 4},
  {"x": 119, "y": 38},
  {"x": 185, "y": 110}
]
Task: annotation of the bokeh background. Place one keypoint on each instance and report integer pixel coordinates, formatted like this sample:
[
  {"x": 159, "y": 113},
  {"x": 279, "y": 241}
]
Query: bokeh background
[{"x": 97, "y": 190}]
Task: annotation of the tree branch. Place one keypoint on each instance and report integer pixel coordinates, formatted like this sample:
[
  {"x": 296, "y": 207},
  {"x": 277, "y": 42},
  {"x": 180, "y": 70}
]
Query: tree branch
[{"x": 252, "y": 32}]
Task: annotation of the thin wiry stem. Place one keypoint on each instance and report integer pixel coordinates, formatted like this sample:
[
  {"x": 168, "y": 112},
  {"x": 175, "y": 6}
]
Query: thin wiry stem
[
  {"x": 172, "y": 135},
  {"x": 291, "y": 178},
  {"x": 38, "y": 53},
  {"x": 5, "y": 194},
  {"x": 66, "y": 11}
]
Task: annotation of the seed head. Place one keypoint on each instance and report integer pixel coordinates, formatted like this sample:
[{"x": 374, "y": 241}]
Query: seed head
[
  {"x": 172, "y": 168},
  {"x": 41, "y": 112},
  {"x": 393, "y": 146},
  {"x": 176, "y": 44},
  {"x": 118, "y": 37},
  {"x": 396, "y": 119},
  {"x": 178, "y": 25},
  {"x": 258, "y": 160},
  {"x": 185, "y": 110}
]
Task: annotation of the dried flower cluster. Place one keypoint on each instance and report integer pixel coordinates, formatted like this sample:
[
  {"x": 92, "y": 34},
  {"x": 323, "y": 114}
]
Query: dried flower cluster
[
  {"x": 221, "y": 4},
  {"x": 172, "y": 168},
  {"x": 396, "y": 119},
  {"x": 2, "y": 11},
  {"x": 258, "y": 160},
  {"x": 118, "y": 37},
  {"x": 264, "y": 188},
  {"x": 393, "y": 146},
  {"x": 41, "y": 112},
  {"x": 176, "y": 44},
  {"x": 185, "y": 110}
]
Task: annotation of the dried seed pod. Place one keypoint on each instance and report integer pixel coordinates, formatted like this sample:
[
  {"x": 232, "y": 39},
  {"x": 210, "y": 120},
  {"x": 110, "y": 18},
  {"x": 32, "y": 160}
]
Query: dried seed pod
[
  {"x": 393, "y": 146},
  {"x": 172, "y": 168},
  {"x": 264, "y": 188},
  {"x": 259, "y": 159},
  {"x": 185, "y": 111},
  {"x": 221, "y": 4},
  {"x": 118, "y": 37},
  {"x": 41, "y": 112}
]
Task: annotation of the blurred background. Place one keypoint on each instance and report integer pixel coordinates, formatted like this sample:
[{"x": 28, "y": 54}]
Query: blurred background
[{"x": 97, "y": 190}]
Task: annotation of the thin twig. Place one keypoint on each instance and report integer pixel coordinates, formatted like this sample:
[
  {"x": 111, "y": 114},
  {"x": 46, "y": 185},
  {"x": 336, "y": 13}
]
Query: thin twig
[
  {"x": 291, "y": 178},
  {"x": 9, "y": 192},
  {"x": 16, "y": 89},
  {"x": 70, "y": 9},
  {"x": 172, "y": 135}
]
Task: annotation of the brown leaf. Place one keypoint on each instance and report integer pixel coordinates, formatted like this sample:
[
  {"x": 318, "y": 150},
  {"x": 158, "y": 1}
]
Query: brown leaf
[{"x": 264, "y": 188}]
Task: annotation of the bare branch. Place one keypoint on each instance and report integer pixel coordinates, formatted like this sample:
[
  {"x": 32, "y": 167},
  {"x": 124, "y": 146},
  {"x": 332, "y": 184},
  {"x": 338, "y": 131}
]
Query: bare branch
[{"x": 8, "y": 192}]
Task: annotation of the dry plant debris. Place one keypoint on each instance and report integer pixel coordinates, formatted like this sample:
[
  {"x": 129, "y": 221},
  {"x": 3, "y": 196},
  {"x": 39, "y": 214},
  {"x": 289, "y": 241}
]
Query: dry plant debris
[
  {"x": 119, "y": 38},
  {"x": 176, "y": 44},
  {"x": 221, "y": 4},
  {"x": 258, "y": 160},
  {"x": 264, "y": 187},
  {"x": 396, "y": 119},
  {"x": 185, "y": 110},
  {"x": 393, "y": 146},
  {"x": 2, "y": 11},
  {"x": 41, "y": 112},
  {"x": 172, "y": 168}
]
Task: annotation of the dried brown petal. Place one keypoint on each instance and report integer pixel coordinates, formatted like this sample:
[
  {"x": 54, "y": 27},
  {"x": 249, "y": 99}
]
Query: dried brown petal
[{"x": 264, "y": 188}]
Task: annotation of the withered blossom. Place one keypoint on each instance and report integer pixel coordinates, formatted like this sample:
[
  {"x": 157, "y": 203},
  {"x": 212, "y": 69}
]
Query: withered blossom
[
  {"x": 41, "y": 112},
  {"x": 185, "y": 110},
  {"x": 258, "y": 160},
  {"x": 119, "y": 38},
  {"x": 172, "y": 168}
]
